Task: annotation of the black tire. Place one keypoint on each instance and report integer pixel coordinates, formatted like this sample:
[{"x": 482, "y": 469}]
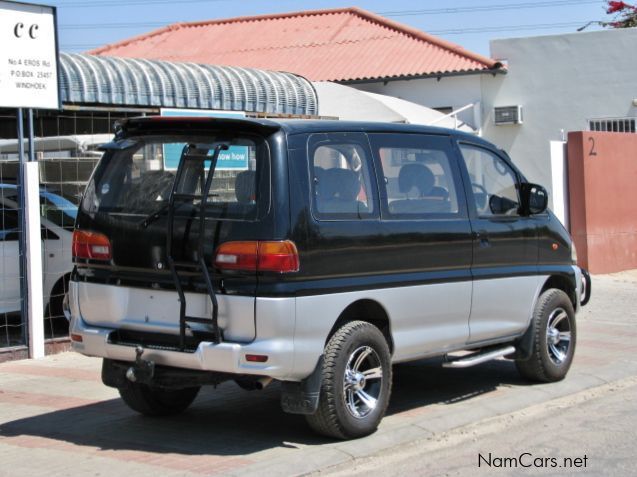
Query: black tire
[
  {"x": 154, "y": 401},
  {"x": 55, "y": 323},
  {"x": 55, "y": 308},
  {"x": 360, "y": 346},
  {"x": 551, "y": 354}
]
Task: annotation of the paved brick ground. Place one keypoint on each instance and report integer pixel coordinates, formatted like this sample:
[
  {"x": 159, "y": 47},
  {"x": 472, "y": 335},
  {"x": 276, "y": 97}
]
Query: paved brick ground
[{"x": 56, "y": 418}]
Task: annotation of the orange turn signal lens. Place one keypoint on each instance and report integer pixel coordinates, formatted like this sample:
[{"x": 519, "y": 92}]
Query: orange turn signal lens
[
  {"x": 282, "y": 257},
  {"x": 261, "y": 256}
]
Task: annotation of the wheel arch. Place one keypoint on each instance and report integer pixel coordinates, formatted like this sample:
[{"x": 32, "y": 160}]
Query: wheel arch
[
  {"x": 554, "y": 281},
  {"x": 561, "y": 282},
  {"x": 367, "y": 310}
]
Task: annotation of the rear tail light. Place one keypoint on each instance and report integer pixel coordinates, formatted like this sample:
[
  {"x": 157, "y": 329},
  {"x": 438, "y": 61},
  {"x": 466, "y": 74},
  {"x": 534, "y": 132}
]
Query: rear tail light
[
  {"x": 261, "y": 256},
  {"x": 237, "y": 256},
  {"x": 91, "y": 245}
]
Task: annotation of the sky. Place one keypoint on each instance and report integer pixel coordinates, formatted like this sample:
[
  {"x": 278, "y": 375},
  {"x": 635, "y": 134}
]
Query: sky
[{"x": 86, "y": 24}]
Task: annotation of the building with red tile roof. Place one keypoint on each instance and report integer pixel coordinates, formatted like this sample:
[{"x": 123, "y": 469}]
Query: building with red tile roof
[{"x": 342, "y": 45}]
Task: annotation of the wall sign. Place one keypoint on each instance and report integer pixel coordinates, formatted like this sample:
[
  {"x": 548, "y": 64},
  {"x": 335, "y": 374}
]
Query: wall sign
[{"x": 28, "y": 56}]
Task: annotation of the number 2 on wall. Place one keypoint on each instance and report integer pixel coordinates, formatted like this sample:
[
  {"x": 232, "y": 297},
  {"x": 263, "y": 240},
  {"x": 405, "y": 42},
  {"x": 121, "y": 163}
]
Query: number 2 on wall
[{"x": 592, "y": 151}]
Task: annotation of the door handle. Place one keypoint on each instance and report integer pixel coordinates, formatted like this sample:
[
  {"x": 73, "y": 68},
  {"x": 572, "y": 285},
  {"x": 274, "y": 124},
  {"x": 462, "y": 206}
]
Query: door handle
[{"x": 483, "y": 238}]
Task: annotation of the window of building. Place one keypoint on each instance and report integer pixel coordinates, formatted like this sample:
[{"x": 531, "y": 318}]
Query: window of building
[{"x": 626, "y": 125}]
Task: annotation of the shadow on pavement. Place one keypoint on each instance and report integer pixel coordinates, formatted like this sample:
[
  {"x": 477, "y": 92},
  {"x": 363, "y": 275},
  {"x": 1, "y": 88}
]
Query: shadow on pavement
[
  {"x": 229, "y": 421},
  {"x": 426, "y": 382}
]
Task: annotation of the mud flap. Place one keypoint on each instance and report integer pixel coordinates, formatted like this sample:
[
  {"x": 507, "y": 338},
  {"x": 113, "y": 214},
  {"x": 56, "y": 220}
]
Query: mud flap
[
  {"x": 303, "y": 397},
  {"x": 524, "y": 345}
]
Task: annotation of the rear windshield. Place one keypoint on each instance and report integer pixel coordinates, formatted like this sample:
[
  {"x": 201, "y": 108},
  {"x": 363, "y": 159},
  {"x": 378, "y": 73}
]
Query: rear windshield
[{"x": 136, "y": 176}]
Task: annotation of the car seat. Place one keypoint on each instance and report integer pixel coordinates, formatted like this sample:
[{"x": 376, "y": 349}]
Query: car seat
[
  {"x": 417, "y": 179},
  {"x": 338, "y": 191}
]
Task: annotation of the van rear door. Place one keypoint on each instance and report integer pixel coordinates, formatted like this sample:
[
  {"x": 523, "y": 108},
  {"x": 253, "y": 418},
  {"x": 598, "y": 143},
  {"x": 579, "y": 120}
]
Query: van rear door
[{"x": 127, "y": 201}]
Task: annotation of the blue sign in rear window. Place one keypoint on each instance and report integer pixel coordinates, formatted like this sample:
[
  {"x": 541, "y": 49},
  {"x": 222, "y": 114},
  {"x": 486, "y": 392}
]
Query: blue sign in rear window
[{"x": 236, "y": 158}]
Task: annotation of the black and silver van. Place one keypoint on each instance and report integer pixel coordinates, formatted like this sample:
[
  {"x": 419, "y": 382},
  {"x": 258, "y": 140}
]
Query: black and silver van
[{"x": 314, "y": 253}]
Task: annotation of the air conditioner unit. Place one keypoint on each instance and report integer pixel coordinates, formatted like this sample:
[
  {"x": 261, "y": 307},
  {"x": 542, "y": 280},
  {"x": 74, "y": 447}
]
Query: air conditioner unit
[{"x": 508, "y": 115}]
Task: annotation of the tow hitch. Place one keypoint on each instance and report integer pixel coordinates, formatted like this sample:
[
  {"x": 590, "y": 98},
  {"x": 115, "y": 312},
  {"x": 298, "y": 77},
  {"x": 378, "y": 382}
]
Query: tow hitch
[
  {"x": 142, "y": 371},
  {"x": 122, "y": 374}
]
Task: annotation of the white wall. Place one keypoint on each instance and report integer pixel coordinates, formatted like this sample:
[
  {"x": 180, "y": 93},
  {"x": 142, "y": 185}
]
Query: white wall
[
  {"x": 450, "y": 91},
  {"x": 561, "y": 81}
]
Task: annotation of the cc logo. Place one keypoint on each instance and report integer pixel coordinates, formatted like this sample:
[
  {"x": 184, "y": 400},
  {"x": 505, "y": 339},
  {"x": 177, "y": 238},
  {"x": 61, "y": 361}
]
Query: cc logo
[{"x": 20, "y": 29}]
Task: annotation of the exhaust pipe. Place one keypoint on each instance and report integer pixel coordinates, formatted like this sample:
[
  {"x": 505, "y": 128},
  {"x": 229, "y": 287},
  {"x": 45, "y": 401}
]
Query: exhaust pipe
[
  {"x": 262, "y": 383},
  {"x": 252, "y": 384}
]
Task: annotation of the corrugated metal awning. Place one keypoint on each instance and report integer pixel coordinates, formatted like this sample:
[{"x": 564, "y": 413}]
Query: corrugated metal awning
[{"x": 107, "y": 80}]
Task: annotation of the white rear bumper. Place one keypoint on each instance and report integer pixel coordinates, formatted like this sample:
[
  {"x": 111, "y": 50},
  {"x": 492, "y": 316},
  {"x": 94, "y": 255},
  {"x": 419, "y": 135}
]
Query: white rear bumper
[{"x": 275, "y": 339}]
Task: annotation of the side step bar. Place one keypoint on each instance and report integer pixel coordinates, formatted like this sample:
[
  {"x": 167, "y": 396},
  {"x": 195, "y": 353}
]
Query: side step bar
[{"x": 478, "y": 358}]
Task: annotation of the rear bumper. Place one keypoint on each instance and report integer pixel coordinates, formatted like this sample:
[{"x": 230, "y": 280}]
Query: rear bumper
[
  {"x": 222, "y": 357},
  {"x": 275, "y": 339}
]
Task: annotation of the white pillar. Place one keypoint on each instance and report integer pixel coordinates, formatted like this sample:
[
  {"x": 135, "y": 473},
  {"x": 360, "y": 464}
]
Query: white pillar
[
  {"x": 34, "y": 260},
  {"x": 559, "y": 181}
]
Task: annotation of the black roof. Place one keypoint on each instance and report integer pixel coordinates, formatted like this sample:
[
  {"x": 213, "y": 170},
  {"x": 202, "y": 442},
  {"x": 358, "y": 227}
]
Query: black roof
[
  {"x": 289, "y": 126},
  {"x": 294, "y": 126}
]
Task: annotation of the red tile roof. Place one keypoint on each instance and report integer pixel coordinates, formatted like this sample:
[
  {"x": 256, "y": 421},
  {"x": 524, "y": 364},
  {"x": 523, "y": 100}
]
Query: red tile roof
[{"x": 344, "y": 44}]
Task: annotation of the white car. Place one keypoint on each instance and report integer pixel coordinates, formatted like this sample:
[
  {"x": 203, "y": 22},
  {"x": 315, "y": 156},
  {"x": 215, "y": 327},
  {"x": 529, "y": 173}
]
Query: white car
[
  {"x": 77, "y": 145},
  {"x": 57, "y": 219}
]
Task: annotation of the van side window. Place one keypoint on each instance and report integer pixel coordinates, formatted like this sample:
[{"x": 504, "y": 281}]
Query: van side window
[
  {"x": 417, "y": 174},
  {"x": 493, "y": 182},
  {"x": 340, "y": 176}
]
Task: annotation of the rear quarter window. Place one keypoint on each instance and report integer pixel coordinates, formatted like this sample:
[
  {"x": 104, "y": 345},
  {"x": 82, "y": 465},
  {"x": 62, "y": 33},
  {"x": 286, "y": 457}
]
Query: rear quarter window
[{"x": 341, "y": 177}]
